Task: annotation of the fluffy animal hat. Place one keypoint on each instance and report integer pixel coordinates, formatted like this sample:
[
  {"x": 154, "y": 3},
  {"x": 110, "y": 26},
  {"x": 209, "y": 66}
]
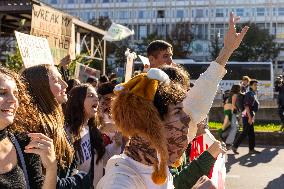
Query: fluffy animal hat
[{"x": 134, "y": 113}]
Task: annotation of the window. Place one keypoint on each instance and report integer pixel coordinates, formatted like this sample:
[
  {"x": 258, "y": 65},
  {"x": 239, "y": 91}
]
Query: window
[
  {"x": 161, "y": 29},
  {"x": 141, "y": 14},
  {"x": 88, "y": 1},
  {"x": 240, "y": 12},
  {"x": 105, "y": 14},
  {"x": 123, "y": 1},
  {"x": 260, "y": 11},
  {"x": 161, "y": 14},
  {"x": 53, "y": 1},
  {"x": 281, "y": 11},
  {"x": 71, "y": 1},
  {"x": 199, "y": 13},
  {"x": 180, "y": 14},
  {"x": 123, "y": 15},
  {"x": 248, "y": 12},
  {"x": 105, "y": 1},
  {"x": 275, "y": 12},
  {"x": 142, "y": 32},
  {"x": 219, "y": 12}
]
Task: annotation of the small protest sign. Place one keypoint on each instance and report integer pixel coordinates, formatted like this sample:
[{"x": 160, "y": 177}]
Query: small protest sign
[
  {"x": 130, "y": 56},
  {"x": 218, "y": 171},
  {"x": 83, "y": 72},
  {"x": 34, "y": 50}
]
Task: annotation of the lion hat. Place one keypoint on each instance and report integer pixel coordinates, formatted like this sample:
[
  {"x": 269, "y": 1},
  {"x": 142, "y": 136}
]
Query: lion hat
[{"x": 135, "y": 113}]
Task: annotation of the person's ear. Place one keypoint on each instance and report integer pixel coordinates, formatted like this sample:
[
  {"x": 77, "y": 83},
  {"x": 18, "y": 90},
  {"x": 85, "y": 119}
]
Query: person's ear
[{"x": 151, "y": 59}]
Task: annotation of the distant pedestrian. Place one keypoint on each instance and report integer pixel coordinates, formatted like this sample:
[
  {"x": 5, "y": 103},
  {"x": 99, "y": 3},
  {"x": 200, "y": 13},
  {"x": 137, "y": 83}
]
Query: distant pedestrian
[
  {"x": 279, "y": 87},
  {"x": 245, "y": 84},
  {"x": 230, "y": 133},
  {"x": 251, "y": 105}
]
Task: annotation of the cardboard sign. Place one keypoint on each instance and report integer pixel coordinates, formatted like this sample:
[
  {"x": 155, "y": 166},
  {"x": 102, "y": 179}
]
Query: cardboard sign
[
  {"x": 34, "y": 50},
  {"x": 83, "y": 72},
  {"x": 130, "y": 56},
  {"x": 56, "y": 27},
  {"x": 218, "y": 171}
]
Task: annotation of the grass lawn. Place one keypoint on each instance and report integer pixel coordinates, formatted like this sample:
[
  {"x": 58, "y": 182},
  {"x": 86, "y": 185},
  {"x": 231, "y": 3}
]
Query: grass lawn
[{"x": 257, "y": 127}]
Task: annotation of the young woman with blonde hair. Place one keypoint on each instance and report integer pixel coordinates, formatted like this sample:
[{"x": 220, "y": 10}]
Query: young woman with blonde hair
[{"x": 48, "y": 90}]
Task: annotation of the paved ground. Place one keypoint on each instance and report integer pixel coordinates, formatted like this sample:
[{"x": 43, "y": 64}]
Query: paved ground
[{"x": 260, "y": 171}]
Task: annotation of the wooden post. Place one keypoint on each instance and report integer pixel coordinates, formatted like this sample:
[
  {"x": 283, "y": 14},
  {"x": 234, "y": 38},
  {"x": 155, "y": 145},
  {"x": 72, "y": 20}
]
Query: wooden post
[
  {"x": 92, "y": 45},
  {"x": 104, "y": 59},
  {"x": 78, "y": 44}
]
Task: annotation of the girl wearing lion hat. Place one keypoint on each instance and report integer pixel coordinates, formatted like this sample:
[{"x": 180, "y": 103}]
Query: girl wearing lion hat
[{"x": 159, "y": 114}]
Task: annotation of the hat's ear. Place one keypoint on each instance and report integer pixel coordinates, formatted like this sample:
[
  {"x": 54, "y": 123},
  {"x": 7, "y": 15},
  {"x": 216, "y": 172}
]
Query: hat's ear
[{"x": 134, "y": 115}]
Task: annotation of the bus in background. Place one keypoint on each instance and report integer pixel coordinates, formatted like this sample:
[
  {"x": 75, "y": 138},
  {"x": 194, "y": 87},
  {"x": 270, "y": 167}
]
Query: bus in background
[{"x": 261, "y": 71}]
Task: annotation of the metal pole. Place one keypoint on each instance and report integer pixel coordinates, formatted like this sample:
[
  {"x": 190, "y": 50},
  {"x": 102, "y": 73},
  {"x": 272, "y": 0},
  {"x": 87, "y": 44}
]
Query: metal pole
[{"x": 104, "y": 60}]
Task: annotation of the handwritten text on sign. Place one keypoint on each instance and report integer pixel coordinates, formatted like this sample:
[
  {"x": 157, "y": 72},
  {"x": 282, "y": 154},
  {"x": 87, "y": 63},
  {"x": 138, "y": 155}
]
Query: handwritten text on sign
[
  {"x": 55, "y": 26},
  {"x": 34, "y": 50}
]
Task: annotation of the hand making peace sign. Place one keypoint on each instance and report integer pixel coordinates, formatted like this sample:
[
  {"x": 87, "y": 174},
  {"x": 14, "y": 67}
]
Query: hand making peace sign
[{"x": 232, "y": 40}]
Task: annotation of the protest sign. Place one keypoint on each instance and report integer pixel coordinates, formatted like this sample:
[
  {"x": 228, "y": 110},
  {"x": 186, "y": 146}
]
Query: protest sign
[
  {"x": 130, "y": 56},
  {"x": 34, "y": 50},
  {"x": 218, "y": 171},
  {"x": 56, "y": 27},
  {"x": 83, "y": 72}
]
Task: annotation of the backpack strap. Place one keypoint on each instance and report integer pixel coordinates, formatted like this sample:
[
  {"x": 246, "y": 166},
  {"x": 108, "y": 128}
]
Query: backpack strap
[{"x": 21, "y": 156}]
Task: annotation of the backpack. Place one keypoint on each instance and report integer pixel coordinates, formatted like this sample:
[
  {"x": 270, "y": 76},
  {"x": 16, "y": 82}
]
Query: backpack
[
  {"x": 240, "y": 102},
  {"x": 226, "y": 95}
]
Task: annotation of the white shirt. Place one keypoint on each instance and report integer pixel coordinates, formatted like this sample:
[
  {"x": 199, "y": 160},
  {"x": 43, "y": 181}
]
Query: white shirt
[
  {"x": 85, "y": 163},
  {"x": 122, "y": 172}
]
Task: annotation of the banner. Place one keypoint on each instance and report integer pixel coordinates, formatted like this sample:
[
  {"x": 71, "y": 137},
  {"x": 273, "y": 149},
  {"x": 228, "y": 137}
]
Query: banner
[
  {"x": 83, "y": 72},
  {"x": 117, "y": 32},
  {"x": 56, "y": 27},
  {"x": 218, "y": 172},
  {"x": 34, "y": 50}
]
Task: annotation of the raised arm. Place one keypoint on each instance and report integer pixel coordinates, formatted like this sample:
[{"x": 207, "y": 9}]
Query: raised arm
[{"x": 199, "y": 99}]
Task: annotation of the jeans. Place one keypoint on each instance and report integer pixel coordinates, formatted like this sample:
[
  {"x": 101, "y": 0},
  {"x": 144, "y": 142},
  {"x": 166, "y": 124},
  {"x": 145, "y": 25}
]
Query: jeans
[
  {"x": 233, "y": 130},
  {"x": 248, "y": 130}
]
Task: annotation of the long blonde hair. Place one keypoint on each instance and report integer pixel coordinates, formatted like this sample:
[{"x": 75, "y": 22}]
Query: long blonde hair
[{"x": 51, "y": 115}]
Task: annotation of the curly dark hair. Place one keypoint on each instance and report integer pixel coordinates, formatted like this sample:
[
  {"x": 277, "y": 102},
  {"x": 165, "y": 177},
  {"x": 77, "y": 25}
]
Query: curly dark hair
[
  {"x": 75, "y": 117},
  {"x": 175, "y": 92}
]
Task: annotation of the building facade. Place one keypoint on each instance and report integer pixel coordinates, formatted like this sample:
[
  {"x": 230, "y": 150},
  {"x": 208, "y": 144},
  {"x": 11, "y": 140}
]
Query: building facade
[{"x": 208, "y": 18}]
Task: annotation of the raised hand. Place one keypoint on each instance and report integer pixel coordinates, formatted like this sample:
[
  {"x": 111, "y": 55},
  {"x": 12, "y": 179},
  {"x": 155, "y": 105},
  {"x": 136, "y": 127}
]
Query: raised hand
[
  {"x": 64, "y": 62},
  {"x": 233, "y": 39}
]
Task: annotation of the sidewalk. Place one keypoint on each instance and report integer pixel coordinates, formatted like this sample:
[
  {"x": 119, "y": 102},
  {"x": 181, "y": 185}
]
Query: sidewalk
[
  {"x": 261, "y": 171},
  {"x": 263, "y": 138}
]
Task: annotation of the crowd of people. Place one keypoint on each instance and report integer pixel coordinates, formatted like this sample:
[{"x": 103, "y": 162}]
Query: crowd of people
[{"x": 101, "y": 134}]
